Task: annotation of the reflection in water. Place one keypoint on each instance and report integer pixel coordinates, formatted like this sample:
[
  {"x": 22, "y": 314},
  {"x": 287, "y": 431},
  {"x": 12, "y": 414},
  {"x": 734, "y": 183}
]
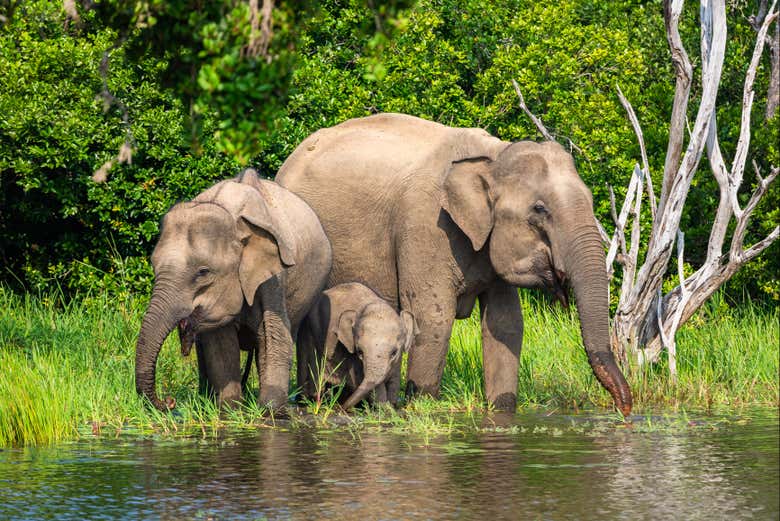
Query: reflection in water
[{"x": 541, "y": 468}]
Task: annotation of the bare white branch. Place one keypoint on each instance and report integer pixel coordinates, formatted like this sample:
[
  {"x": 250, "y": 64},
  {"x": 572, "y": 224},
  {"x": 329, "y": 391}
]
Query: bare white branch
[
  {"x": 603, "y": 233},
  {"x": 736, "y": 254},
  {"x": 682, "y": 89},
  {"x": 741, "y": 153},
  {"x": 536, "y": 121},
  {"x": 618, "y": 238},
  {"x": 750, "y": 253},
  {"x": 629, "y": 270},
  {"x": 643, "y": 151}
]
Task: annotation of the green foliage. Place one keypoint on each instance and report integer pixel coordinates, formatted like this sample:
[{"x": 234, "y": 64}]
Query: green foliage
[
  {"x": 56, "y": 223},
  {"x": 199, "y": 107}
]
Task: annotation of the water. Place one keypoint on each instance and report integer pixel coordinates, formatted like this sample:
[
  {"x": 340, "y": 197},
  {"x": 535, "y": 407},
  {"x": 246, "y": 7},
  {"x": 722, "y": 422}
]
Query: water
[{"x": 526, "y": 466}]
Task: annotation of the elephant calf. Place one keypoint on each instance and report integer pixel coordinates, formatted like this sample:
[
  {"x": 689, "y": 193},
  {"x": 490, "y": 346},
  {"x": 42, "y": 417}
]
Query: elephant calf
[{"x": 355, "y": 338}]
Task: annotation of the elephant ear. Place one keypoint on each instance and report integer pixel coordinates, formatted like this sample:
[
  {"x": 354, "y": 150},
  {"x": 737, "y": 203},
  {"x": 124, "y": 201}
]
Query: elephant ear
[
  {"x": 466, "y": 197},
  {"x": 410, "y": 327},
  {"x": 267, "y": 248},
  {"x": 345, "y": 329},
  {"x": 262, "y": 210}
]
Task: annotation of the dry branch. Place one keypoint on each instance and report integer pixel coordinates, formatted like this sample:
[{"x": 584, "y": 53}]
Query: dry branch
[
  {"x": 643, "y": 151},
  {"x": 618, "y": 238},
  {"x": 125, "y": 154},
  {"x": 645, "y": 318},
  {"x": 260, "y": 32},
  {"x": 772, "y": 41},
  {"x": 682, "y": 89},
  {"x": 538, "y": 122}
]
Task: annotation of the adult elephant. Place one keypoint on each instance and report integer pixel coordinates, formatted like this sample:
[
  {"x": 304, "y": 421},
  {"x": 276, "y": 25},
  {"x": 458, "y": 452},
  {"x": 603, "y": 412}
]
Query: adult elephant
[
  {"x": 434, "y": 217},
  {"x": 245, "y": 258}
]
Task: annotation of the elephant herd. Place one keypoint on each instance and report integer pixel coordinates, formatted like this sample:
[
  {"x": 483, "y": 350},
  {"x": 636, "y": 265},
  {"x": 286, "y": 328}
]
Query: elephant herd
[{"x": 376, "y": 235}]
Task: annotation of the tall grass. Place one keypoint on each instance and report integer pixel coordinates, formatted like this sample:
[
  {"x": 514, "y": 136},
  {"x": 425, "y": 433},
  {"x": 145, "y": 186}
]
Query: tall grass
[
  {"x": 66, "y": 368},
  {"x": 726, "y": 357}
]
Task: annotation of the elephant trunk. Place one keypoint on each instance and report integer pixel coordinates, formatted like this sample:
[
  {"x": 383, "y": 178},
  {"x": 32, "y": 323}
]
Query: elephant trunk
[
  {"x": 159, "y": 320},
  {"x": 585, "y": 264},
  {"x": 376, "y": 370},
  {"x": 365, "y": 387}
]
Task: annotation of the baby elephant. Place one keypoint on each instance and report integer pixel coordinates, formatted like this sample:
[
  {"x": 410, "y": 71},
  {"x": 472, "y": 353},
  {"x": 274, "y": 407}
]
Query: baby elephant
[{"x": 357, "y": 339}]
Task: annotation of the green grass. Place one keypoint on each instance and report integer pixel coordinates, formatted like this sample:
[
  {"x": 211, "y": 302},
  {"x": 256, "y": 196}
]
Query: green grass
[
  {"x": 66, "y": 370},
  {"x": 726, "y": 357}
]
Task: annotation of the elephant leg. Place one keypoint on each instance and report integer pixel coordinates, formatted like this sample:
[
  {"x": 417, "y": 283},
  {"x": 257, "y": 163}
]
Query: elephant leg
[
  {"x": 204, "y": 387},
  {"x": 502, "y": 339},
  {"x": 380, "y": 393},
  {"x": 426, "y": 289},
  {"x": 275, "y": 357},
  {"x": 393, "y": 384},
  {"x": 247, "y": 340},
  {"x": 433, "y": 306},
  {"x": 306, "y": 370},
  {"x": 222, "y": 362}
]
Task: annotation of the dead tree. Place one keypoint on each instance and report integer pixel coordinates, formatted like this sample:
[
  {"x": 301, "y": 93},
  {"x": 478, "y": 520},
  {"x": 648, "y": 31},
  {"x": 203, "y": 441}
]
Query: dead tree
[
  {"x": 773, "y": 44},
  {"x": 260, "y": 31},
  {"x": 646, "y": 320}
]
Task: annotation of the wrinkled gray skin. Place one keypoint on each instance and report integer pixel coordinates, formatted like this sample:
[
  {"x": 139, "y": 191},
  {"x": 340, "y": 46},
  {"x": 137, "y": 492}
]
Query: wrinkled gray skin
[
  {"x": 247, "y": 341},
  {"x": 357, "y": 339},
  {"x": 245, "y": 256},
  {"x": 435, "y": 217}
]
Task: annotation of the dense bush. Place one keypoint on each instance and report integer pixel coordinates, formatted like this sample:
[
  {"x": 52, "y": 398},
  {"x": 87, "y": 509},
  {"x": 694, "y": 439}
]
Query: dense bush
[
  {"x": 58, "y": 226},
  {"x": 198, "y": 109}
]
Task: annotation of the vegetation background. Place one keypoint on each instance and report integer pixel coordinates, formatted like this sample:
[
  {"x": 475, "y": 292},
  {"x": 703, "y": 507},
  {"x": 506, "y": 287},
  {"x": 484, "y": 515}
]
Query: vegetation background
[
  {"x": 172, "y": 81},
  {"x": 113, "y": 110}
]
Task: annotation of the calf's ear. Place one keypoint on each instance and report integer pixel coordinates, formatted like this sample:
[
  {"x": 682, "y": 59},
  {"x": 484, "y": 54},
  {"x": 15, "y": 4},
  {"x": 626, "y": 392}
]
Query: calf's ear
[
  {"x": 345, "y": 330},
  {"x": 410, "y": 327}
]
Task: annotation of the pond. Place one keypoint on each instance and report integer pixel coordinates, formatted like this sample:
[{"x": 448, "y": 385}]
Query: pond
[{"x": 523, "y": 466}]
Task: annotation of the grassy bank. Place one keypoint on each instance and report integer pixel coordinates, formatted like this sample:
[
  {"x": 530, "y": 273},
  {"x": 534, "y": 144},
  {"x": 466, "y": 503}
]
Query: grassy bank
[{"x": 67, "y": 369}]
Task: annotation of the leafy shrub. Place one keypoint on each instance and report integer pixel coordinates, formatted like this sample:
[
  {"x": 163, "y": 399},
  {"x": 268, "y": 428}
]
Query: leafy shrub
[
  {"x": 58, "y": 226},
  {"x": 198, "y": 109}
]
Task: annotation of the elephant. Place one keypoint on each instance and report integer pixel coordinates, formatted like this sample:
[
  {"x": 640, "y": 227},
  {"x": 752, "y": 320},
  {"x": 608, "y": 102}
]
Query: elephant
[
  {"x": 434, "y": 218},
  {"x": 355, "y": 338},
  {"x": 244, "y": 256},
  {"x": 246, "y": 341}
]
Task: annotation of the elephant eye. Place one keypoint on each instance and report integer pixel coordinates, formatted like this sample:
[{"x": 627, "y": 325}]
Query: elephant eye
[
  {"x": 203, "y": 271},
  {"x": 393, "y": 353},
  {"x": 539, "y": 207}
]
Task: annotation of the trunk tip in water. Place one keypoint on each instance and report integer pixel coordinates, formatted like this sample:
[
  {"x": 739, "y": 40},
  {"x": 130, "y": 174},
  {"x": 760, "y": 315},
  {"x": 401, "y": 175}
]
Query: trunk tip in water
[{"x": 607, "y": 372}]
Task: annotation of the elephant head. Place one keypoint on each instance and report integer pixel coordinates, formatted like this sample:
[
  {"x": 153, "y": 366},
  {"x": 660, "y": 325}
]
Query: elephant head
[
  {"x": 530, "y": 209},
  {"x": 212, "y": 255},
  {"x": 377, "y": 335}
]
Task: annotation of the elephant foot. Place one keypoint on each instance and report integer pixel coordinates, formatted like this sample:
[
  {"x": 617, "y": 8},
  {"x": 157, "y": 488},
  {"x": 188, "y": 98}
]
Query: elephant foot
[
  {"x": 505, "y": 402},
  {"x": 230, "y": 396},
  {"x": 273, "y": 397},
  {"x": 414, "y": 389}
]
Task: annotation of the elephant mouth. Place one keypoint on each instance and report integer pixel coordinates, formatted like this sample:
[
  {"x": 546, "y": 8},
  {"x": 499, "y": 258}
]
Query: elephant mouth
[
  {"x": 561, "y": 288},
  {"x": 194, "y": 323},
  {"x": 186, "y": 328},
  {"x": 555, "y": 282}
]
